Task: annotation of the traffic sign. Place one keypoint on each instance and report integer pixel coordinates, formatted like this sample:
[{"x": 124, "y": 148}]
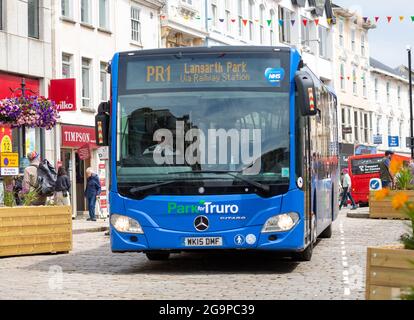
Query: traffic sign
[
  {"x": 9, "y": 163},
  {"x": 375, "y": 184}
]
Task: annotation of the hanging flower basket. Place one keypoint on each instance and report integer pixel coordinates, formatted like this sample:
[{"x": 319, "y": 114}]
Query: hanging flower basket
[{"x": 32, "y": 112}]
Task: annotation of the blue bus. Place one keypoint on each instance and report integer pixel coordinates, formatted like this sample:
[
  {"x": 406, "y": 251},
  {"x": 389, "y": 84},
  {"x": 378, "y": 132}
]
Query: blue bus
[{"x": 219, "y": 148}]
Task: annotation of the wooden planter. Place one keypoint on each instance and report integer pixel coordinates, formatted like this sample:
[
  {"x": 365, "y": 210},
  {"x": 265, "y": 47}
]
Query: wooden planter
[
  {"x": 389, "y": 272},
  {"x": 383, "y": 208},
  {"x": 33, "y": 230}
]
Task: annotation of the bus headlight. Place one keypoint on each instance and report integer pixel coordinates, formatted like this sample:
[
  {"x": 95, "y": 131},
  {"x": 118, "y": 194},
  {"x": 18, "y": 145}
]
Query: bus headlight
[
  {"x": 281, "y": 222},
  {"x": 125, "y": 224}
]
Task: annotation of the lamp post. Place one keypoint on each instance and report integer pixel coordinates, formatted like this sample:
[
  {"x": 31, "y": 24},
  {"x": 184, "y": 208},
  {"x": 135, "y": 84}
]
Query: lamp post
[{"x": 410, "y": 90}]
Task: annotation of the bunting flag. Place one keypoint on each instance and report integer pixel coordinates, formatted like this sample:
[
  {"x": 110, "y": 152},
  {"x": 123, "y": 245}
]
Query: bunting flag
[
  {"x": 233, "y": 20},
  {"x": 163, "y": 17},
  {"x": 365, "y": 19},
  {"x": 305, "y": 22},
  {"x": 281, "y": 22},
  {"x": 245, "y": 22},
  {"x": 256, "y": 20},
  {"x": 376, "y": 19},
  {"x": 401, "y": 18},
  {"x": 269, "y": 22},
  {"x": 316, "y": 21},
  {"x": 348, "y": 77},
  {"x": 412, "y": 18},
  {"x": 293, "y": 22},
  {"x": 329, "y": 20},
  {"x": 221, "y": 20},
  {"x": 389, "y": 19}
]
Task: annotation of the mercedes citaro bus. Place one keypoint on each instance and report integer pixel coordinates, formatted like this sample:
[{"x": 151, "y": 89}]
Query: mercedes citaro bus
[{"x": 219, "y": 148}]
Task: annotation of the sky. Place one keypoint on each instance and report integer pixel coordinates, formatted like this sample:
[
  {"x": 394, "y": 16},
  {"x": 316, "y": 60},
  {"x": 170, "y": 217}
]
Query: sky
[{"x": 388, "y": 42}]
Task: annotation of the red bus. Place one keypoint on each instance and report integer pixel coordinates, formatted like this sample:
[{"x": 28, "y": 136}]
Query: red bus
[{"x": 361, "y": 170}]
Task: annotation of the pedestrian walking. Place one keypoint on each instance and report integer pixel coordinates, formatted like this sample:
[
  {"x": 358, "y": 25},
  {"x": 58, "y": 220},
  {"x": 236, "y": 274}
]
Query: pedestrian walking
[
  {"x": 30, "y": 181},
  {"x": 385, "y": 173},
  {"x": 62, "y": 188},
  {"x": 93, "y": 189},
  {"x": 346, "y": 193}
]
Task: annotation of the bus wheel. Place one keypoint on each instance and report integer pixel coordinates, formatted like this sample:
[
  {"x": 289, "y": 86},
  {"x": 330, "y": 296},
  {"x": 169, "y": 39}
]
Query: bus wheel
[
  {"x": 305, "y": 255},
  {"x": 327, "y": 233},
  {"x": 157, "y": 256}
]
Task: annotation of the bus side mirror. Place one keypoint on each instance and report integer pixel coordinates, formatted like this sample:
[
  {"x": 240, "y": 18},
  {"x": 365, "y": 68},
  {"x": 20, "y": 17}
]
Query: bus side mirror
[
  {"x": 102, "y": 124},
  {"x": 306, "y": 94}
]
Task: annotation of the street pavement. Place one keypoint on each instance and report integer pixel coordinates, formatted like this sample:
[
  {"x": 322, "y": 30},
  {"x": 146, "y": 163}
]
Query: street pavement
[{"x": 91, "y": 271}]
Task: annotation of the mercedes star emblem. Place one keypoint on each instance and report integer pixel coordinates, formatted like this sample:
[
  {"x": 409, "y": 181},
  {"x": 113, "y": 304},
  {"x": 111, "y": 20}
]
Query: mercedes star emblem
[{"x": 201, "y": 223}]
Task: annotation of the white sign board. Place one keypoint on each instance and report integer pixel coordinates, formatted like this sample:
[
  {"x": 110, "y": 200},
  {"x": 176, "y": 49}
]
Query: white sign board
[
  {"x": 6, "y": 171},
  {"x": 103, "y": 153}
]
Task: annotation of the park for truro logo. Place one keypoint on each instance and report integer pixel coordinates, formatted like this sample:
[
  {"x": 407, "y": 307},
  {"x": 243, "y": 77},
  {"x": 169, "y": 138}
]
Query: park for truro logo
[{"x": 203, "y": 207}]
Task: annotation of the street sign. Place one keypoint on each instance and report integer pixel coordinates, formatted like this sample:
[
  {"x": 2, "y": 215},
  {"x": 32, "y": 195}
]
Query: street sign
[
  {"x": 347, "y": 130},
  {"x": 9, "y": 163},
  {"x": 375, "y": 184},
  {"x": 377, "y": 139},
  {"x": 103, "y": 153},
  {"x": 393, "y": 141}
]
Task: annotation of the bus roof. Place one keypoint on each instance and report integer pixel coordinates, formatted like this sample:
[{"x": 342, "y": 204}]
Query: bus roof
[
  {"x": 210, "y": 49},
  {"x": 378, "y": 155}
]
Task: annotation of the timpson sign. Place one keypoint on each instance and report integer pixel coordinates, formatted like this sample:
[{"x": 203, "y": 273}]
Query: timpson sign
[{"x": 77, "y": 136}]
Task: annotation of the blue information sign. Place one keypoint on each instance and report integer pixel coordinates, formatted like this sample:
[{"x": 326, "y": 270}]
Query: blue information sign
[{"x": 393, "y": 141}]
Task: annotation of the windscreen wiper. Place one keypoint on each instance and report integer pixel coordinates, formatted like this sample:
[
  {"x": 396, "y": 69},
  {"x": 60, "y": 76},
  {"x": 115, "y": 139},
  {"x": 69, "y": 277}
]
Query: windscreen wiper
[
  {"x": 150, "y": 186},
  {"x": 263, "y": 187}
]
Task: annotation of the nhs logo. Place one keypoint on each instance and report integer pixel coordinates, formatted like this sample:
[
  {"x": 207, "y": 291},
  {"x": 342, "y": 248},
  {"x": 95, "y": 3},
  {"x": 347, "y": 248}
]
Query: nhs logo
[{"x": 275, "y": 75}]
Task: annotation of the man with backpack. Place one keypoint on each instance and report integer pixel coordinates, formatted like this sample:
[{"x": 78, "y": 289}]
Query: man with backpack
[
  {"x": 30, "y": 178},
  {"x": 39, "y": 177}
]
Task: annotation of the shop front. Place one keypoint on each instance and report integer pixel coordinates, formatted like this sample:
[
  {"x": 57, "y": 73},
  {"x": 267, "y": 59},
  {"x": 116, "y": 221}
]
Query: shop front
[{"x": 77, "y": 153}]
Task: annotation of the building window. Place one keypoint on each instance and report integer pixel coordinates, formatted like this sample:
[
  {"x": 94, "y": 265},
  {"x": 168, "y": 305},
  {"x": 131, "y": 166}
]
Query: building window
[
  {"x": 399, "y": 95},
  {"x": 354, "y": 82},
  {"x": 262, "y": 33},
  {"x": 240, "y": 14},
  {"x": 285, "y": 28},
  {"x": 344, "y": 123},
  {"x": 376, "y": 89},
  {"x": 104, "y": 81},
  {"x": 214, "y": 13},
  {"x": 33, "y": 18},
  {"x": 364, "y": 85},
  {"x": 353, "y": 39},
  {"x": 342, "y": 76},
  {"x": 341, "y": 33},
  {"x": 366, "y": 128},
  {"x": 272, "y": 27},
  {"x": 190, "y": 2},
  {"x": 305, "y": 33},
  {"x": 363, "y": 44},
  {"x": 1, "y": 14},
  {"x": 228, "y": 15},
  {"x": 66, "y": 65},
  {"x": 400, "y": 132},
  {"x": 356, "y": 127},
  {"x": 104, "y": 14},
  {"x": 86, "y": 11},
  {"x": 135, "y": 25},
  {"x": 389, "y": 126},
  {"x": 378, "y": 124},
  {"x": 388, "y": 92},
  {"x": 86, "y": 83},
  {"x": 251, "y": 27},
  {"x": 323, "y": 42},
  {"x": 66, "y": 8}
]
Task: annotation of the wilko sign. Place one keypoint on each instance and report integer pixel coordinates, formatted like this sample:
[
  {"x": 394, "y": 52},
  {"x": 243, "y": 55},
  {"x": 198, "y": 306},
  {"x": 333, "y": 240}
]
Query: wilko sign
[
  {"x": 63, "y": 92},
  {"x": 77, "y": 136}
]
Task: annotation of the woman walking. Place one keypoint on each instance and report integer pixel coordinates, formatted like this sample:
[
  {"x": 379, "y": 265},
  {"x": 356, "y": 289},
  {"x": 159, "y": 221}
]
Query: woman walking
[{"x": 62, "y": 188}]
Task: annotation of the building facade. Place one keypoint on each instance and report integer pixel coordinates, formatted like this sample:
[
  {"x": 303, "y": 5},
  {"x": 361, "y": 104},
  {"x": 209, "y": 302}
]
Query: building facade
[
  {"x": 25, "y": 53},
  {"x": 85, "y": 36},
  {"x": 390, "y": 99},
  {"x": 351, "y": 82}
]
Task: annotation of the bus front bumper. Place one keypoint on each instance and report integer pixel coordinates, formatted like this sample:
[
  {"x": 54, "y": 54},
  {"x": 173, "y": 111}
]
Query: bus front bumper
[{"x": 241, "y": 238}]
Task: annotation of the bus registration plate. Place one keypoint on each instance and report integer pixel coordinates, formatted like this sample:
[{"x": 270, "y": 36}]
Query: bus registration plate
[{"x": 203, "y": 241}]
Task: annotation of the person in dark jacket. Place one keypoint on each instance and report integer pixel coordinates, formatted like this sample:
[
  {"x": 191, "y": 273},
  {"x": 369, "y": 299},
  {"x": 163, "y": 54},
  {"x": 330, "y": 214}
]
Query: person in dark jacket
[
  {"x": 385, "y": 173},
  {"x": 62, "y": 188},
  {"x": 93, "y": 189}
]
